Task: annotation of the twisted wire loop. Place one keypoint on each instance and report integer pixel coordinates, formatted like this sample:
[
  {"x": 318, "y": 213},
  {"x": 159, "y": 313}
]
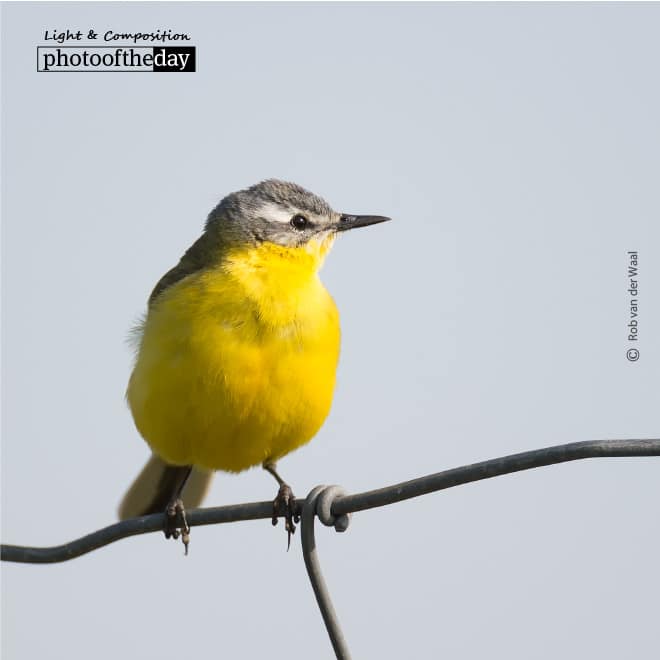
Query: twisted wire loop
[
  {"x": 342, "y": 505},
  {"x": 319, "y": 503}
]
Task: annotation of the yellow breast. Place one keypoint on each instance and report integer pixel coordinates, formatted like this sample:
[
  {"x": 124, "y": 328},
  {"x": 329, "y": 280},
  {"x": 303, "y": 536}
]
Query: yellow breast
[{"x": 237, "y": 363}]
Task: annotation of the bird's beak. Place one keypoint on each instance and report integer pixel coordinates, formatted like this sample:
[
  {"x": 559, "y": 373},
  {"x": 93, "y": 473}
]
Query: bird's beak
[{"x": 347, "y": 221}]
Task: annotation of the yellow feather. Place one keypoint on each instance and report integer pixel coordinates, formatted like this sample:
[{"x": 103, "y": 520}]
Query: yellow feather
[{"x": 236, "y": 364}]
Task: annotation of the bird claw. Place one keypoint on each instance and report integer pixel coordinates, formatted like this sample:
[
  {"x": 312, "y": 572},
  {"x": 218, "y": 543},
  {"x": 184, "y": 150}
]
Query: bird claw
[
  {"x": 283, "y": 505},
  {"x": 174, "y": 513}
]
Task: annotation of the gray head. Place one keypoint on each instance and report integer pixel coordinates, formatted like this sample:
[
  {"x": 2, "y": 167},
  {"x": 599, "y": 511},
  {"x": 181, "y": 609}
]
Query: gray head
[
  {"x": 279, "y": 212},
  {"x": 270, "y": 212}
]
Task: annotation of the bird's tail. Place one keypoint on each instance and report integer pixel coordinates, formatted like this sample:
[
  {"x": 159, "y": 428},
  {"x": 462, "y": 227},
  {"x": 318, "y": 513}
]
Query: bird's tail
[{"x": 157, "y": 483}]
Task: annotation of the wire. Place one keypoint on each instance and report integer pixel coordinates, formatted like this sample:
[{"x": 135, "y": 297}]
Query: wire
[
  {"x": 320, "y": 498},
  {"x": 346, "y": 504},
  {"x": 494, "y": 468},
  {"x": 332, "y": 506}
]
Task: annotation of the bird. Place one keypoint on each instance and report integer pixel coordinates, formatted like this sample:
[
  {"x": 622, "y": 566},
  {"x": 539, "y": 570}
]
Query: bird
[{"x": 237, "y": 354}]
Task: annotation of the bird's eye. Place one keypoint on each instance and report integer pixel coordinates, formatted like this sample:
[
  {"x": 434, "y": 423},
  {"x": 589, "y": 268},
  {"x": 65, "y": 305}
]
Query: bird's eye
[{"x": 299, "y": 222}]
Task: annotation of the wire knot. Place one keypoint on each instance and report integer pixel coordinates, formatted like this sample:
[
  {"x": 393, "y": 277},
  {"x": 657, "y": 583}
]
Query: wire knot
[{"x": 321, "y": 499}]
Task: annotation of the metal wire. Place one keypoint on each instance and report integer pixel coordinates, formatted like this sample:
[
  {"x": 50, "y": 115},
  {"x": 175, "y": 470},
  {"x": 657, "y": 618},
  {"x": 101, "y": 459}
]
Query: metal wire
[
  {"x": 494, "y": 468},
  {"x": 332, "y": 508},
  {"x": 314, "y": 505}
]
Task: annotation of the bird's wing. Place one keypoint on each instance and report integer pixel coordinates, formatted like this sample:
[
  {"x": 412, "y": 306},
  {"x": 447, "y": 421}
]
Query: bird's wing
[{"x": 198, "y": 256}]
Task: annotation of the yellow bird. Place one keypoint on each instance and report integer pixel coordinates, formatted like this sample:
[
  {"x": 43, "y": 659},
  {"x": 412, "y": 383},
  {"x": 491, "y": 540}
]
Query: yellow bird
[{"x": 238, "y": 351}]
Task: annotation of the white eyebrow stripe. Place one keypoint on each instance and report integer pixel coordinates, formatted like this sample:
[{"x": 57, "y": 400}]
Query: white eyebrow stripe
[{"x": 275, "y": 213}]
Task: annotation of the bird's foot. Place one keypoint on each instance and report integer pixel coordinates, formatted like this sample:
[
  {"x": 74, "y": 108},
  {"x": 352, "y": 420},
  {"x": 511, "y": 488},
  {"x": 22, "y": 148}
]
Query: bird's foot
[
  {"x": 175, "y": 514},
  {"x": 284, "y": 505}
]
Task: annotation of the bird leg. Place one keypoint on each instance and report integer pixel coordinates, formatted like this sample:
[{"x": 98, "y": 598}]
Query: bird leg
[
  {"x": 283, "y": 504},
  {"x": 176, "y": 512}
]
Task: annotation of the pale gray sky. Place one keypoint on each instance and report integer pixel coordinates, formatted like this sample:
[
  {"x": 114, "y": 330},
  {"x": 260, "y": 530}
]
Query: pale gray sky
[{"x": 517, "y": 147}]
